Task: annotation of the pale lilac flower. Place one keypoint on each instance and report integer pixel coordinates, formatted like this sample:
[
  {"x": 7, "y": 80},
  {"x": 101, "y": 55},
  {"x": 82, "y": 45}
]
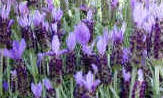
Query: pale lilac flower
[
  {"x": 87, "y": 81},
  {"x": 45, "y": 25},
  {"x": 126, "y": 53},
  {"x": 114, "y": 3},
  {"x": 90, "y": 15},
  {"x": 101, "y": 45},
  {"x": 88, "y": 49},
  {"x": 79, "y": 78},
  {"x": 36, "y": 89},
  {"x": 54, "y": 27},
  {"x": 17, "y": 50},
  {"x": 55, "y": 44},
  {"x": 126, "y": 75},
  {"x": 23, "y": 8},
  {"x": 140, "y": 75},
  {"x": 5, "y": 11},
  {"x": 82, "y": 33},
  {"x": 47, "y": 84},
  {"x": 106, "y": 34},
  {"x": 71, "y": 41},
  {"x": 24, "y": 21},
  {"x": 95, "y": 69},
  {"x": 38, "y": 18},
  {"x": 57, "y": 14},
  {"x": 90, "y": 83},
  {"x": 13, "y": 73}
]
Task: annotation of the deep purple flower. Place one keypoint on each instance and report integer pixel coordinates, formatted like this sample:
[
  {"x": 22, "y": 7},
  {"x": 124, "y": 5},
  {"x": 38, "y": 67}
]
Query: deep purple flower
[
  {"x": 5, "y": 11},
  {"x": 5, "y": 85},
  {"x": 36, "y": 89},
  {"x": 71, "y": 41},
  {"x": 23, "y": 8},
  {"x": 17, "y": 50},
  {"x": 82, "y": 33},
  {"x": 57, "y": 14},
  {"x": 47, "y": 84}
]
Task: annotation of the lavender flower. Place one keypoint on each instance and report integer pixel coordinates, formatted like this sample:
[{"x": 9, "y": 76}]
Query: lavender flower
[
  {"x": 5, "y": 11},
  {"x": 17, "y": 50},
  {"x": 55, "y": 44},
  {"x": 82, "y": 33},
  {"x": 57, "y": 14},
  {"x": 79, "y": 78},
  {"x": 13, "y": 73},
  {"x": 126, "y": 75},
  {"x": 47, "y": 84},
  {"x": 71, "y": 41},
  {"x": 140, "y": 75},
  {"x": 126, "y": 53},
  {"x": 101, "y": 45},
  {"x": 5, "y": 85},
  {"x": 23, "y": 9},
  {"x": 38, "y": 18},
  {"x": 87, "y": 81},
  {"x": 95, "y": 68},
  {"x": 24, "y": 21},
  {"x": 114, "y": 3},
  {"x": 36, "y": 89}
]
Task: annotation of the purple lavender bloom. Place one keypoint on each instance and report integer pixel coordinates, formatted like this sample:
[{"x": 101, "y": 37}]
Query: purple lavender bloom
[
  {"x": 5, "y": 85},
  {"x": 117, "y": 35},
  {"x": 101, "y": 45},
  {"x": 126, "y": 75},
  {"x": 87, "y": 81},
  {"x": 90, "y": 83},
  {"x": 55, "y": 44},
  {"x": 82, "y": 33},
  {"x": 23, "y": 9},
  {"x": 36, "y": 89},
  {"x": 17, "y": 50},
  {"x": 95, "y": 68},
  {"x": 140, "y": 75},
  {"x": 71, "y": 41},
  {"x": 5, "y": 11},
  {"x": 57, "y": 14},
  {"x": 114, "y": 3},
  {"x": 47, "y": 84},
  {"x": 126, "y": 53},
  {"x": 79, "y": 78},
  {"x": 24, "y": 21},
  {"x": 50, "y": 5},
  {"x": 13, "y": 73},
  {"x": 38, "y": 18}
]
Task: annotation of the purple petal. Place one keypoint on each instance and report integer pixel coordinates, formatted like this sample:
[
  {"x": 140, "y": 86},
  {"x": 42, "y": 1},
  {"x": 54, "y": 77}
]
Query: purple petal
[
  {"x": 7, "y": 53},
  {"x": 47, "y": 84},
  {"x": 38, "y": 18},
  {"x": 95, "y": 69},
  {"x": 71, "y": 41},
  {"x": 36, "y": 89},
  {"x": 79, "y": 78},
  {"x": 23, "y": 8},
  {"x": 55, "y": 44},
  {"x": 57, "y": 14},
  {"x": 82, "y": 33},
  {"x": 22, "y": 47},
  {"x": 5, "y": 85},
  {"x": 126, "y": 75},
  {"x": 140, "y": 75},
  {"x": 101, "y": 46}
]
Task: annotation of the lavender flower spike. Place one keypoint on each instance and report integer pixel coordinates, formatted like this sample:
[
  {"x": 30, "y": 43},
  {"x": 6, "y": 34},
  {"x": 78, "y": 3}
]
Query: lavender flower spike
[
  {"x": 89, "y": 82},
  {"x": 82, "y": 33},
  {"x": 5, "y": 11},
  {"x": 38, "y": 18},
  {"x": 36, "y": 89},
  {"x": 47, "y": 84},
  {"x": 79, "y": 78},
  {"x": 71, "y": 41},
  {"x": 17, "y": 50},
  {"x": 126, "y": 75},
  {"x": 23, "y": 8},
  {"x": 101, "y": 45},
  {"x": 57, "y": 14},
  {"x": 55, "y": 44}
]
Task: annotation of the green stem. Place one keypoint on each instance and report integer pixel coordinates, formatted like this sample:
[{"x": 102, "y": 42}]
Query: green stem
[{"x": 156, "y": 82}]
